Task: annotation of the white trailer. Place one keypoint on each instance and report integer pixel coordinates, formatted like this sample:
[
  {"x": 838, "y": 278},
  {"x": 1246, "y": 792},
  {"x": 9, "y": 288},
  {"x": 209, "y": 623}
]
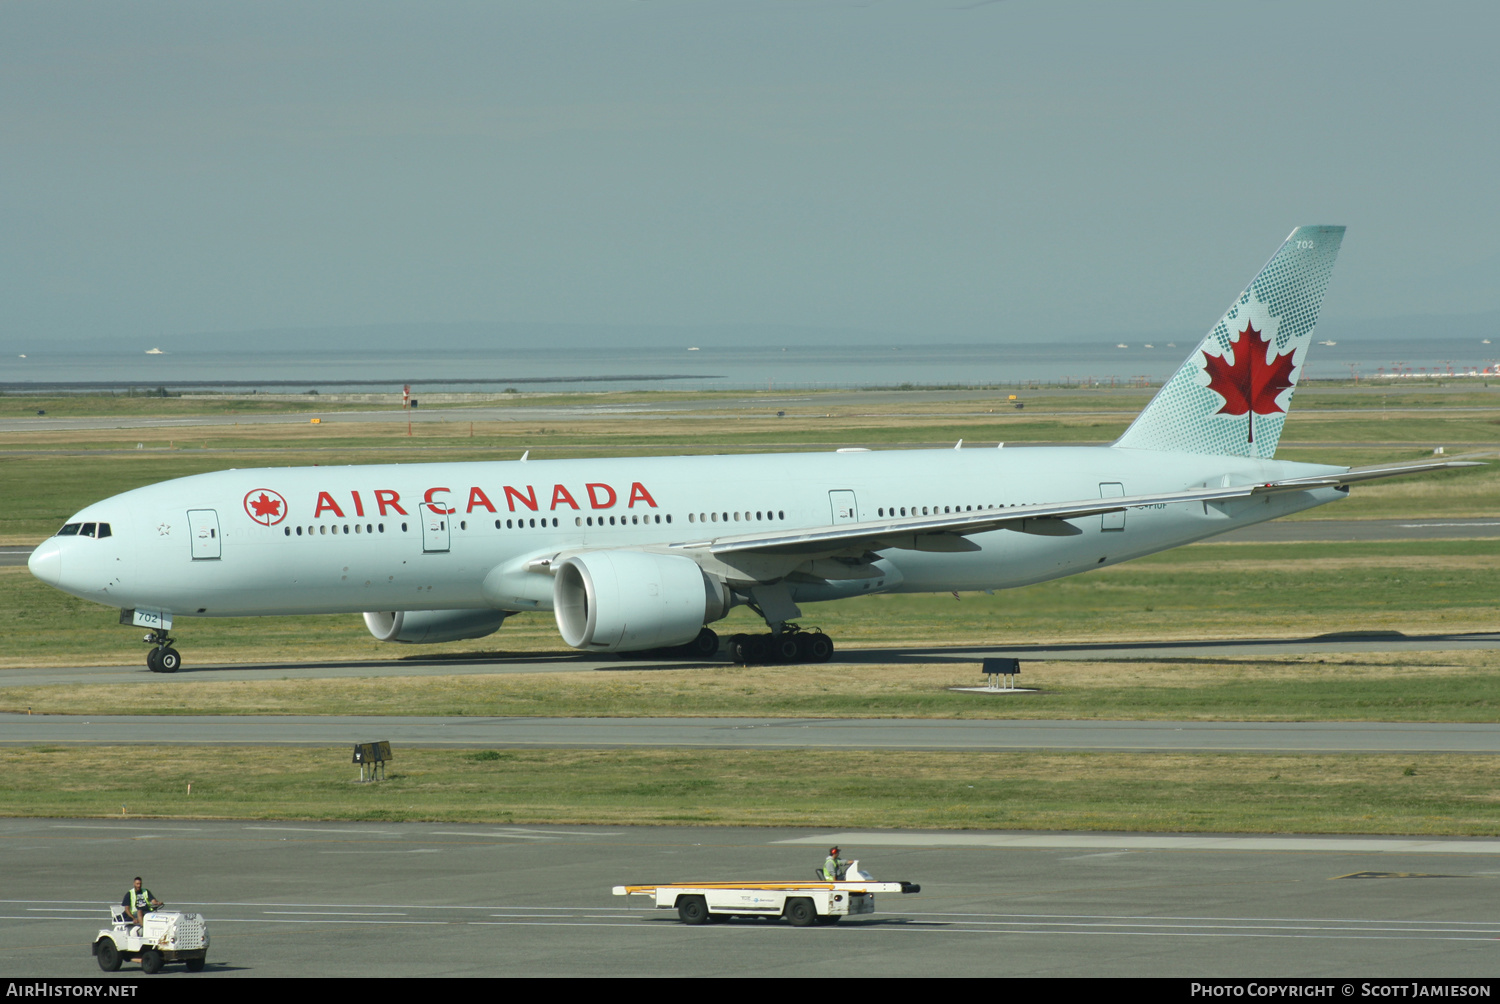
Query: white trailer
[{"x": 802, "y": 903}]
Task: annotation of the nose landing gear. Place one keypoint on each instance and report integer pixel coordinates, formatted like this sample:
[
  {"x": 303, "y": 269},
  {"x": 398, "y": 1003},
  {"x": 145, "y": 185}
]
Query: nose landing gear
[{"x": 163, "y": 658}]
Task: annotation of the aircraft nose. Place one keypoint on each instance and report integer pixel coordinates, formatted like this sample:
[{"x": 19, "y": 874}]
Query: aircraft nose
[{"x": 46, "y": 563}]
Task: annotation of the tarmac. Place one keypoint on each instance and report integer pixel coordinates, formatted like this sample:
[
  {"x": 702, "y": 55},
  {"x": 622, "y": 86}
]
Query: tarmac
[
  {"x": 425, "y": 900},
  {"x": 755, "y": 733}
]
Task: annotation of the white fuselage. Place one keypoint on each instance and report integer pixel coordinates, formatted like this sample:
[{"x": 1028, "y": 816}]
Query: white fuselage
[{"x": 460, "y": 535}]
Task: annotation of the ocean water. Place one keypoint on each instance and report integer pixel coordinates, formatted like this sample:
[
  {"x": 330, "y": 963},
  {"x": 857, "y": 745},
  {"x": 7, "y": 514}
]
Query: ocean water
[{"x": 711, "y": 367}]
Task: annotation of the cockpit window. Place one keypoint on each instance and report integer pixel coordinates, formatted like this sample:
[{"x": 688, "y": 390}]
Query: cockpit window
[{"x": 85, "y": 530}]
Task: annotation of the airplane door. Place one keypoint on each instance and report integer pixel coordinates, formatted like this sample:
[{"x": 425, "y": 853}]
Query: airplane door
[
  {"x": 844, "y": 508},
  {"x": 203, "y": 530},
  {"x": 434, "y": 532},
  {"x": 1112, "y": 520}
]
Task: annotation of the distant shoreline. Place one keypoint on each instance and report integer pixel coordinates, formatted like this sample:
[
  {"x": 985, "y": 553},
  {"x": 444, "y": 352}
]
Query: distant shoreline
[{"x": 39, "y": 386}]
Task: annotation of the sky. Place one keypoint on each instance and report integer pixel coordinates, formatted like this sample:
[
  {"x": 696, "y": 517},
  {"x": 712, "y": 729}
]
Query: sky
[{"x": 1008, "y": 171}]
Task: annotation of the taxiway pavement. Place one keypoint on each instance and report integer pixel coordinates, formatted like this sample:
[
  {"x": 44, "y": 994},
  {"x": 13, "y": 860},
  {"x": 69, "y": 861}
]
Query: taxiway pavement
[
  {"x": 430, "y": 899},
  {"x": 968, "y": 656},
  {"x": 756, "y": 733}
]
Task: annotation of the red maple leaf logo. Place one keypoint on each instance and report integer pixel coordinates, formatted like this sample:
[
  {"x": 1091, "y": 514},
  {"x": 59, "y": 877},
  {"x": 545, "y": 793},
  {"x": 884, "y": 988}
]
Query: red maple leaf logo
[
  {"x": 266, "y": 508},
  {"x": 1249, "y": 384}
]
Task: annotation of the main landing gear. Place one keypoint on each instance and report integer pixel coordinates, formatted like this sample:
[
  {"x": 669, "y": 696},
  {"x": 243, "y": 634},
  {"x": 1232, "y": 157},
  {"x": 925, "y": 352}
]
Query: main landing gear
[
  {"x": 792, "y": 644},
  {"x": 162, "y": 658}
]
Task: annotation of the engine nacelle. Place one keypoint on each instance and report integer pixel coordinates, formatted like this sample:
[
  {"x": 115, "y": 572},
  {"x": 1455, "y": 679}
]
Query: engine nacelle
[
  {"x": 626, "y": 601},
  {"x": 429, "y": 626}
]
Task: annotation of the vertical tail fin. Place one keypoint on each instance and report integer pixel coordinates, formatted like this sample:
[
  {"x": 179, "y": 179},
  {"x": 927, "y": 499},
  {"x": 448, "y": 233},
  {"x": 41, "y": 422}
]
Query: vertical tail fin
[{"x": 1231, "y": 396}]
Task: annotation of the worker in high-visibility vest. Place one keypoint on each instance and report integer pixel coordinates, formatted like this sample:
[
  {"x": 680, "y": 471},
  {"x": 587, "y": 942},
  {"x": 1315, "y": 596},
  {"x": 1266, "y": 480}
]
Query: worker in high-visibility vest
[
  {"x": 139, "y": 901},
  {"x": 834, "y": 867}
]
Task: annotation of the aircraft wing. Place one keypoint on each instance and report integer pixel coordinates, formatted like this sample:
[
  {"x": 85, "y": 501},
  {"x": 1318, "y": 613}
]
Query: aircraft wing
[{"x": 947, "y": 532}]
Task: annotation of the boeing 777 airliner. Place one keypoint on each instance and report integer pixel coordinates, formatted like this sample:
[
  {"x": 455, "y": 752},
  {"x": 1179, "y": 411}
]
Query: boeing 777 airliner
[{"x": 642, "y": 553}]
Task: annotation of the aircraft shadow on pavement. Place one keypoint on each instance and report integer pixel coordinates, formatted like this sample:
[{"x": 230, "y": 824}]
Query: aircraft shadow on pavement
[
  {"x": 413, "y": 662},
  {"x": 1084, "y": 650}
]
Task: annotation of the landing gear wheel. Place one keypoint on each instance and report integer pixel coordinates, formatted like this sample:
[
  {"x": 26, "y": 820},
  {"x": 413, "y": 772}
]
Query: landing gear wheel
[
  {"x": 151, "y": 961},
  {"x": 692, "y": 910},
  {"x": 107, "y": 955},
  {"x": 196, "y": 965},
  {"x": 705, "y": 646},
  {"x": 801, "y": 912},
  {"x": 168, "y": 660},
  {"x": 759, "y": 648},
  {"x": 784, "y": 647},
  {"x": 153, "y": 660},
  {"x": 739, "y": 650},
  {"x": 819, "y": 647}
]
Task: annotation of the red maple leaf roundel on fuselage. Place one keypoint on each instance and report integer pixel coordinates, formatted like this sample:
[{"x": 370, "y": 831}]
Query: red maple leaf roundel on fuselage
[
  {"x": 265, "y": 506},
  {"x": 1249, "y": 384}
]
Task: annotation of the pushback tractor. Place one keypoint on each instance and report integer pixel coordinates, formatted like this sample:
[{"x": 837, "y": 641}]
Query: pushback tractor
[{"x": 163, "y": 936}]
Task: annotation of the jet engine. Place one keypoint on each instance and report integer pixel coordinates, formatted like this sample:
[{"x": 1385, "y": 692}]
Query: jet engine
[
  {"x": 433, "y": 625},
  {"x": 627, "y": 601}
]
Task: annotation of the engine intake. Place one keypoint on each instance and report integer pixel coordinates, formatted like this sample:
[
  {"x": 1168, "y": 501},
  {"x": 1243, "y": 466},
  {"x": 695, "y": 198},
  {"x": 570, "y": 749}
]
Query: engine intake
[
  {"x": 626, "y": 601},
  {"x": 413, "y": 626}
]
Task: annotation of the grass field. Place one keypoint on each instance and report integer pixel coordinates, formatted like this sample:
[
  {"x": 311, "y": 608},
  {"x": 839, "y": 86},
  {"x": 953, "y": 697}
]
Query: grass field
[
  {"x": 46, "y": 475},
  {"x": 1427, "y": 686},
  {"x": 1437, "y": 795}
]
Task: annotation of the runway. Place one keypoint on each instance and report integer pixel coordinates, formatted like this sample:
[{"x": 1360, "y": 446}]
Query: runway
[
  {"x": 756, "y": 733},
  {"x": 427, "y": 899},
  {"x": 573, "y": 662}
]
